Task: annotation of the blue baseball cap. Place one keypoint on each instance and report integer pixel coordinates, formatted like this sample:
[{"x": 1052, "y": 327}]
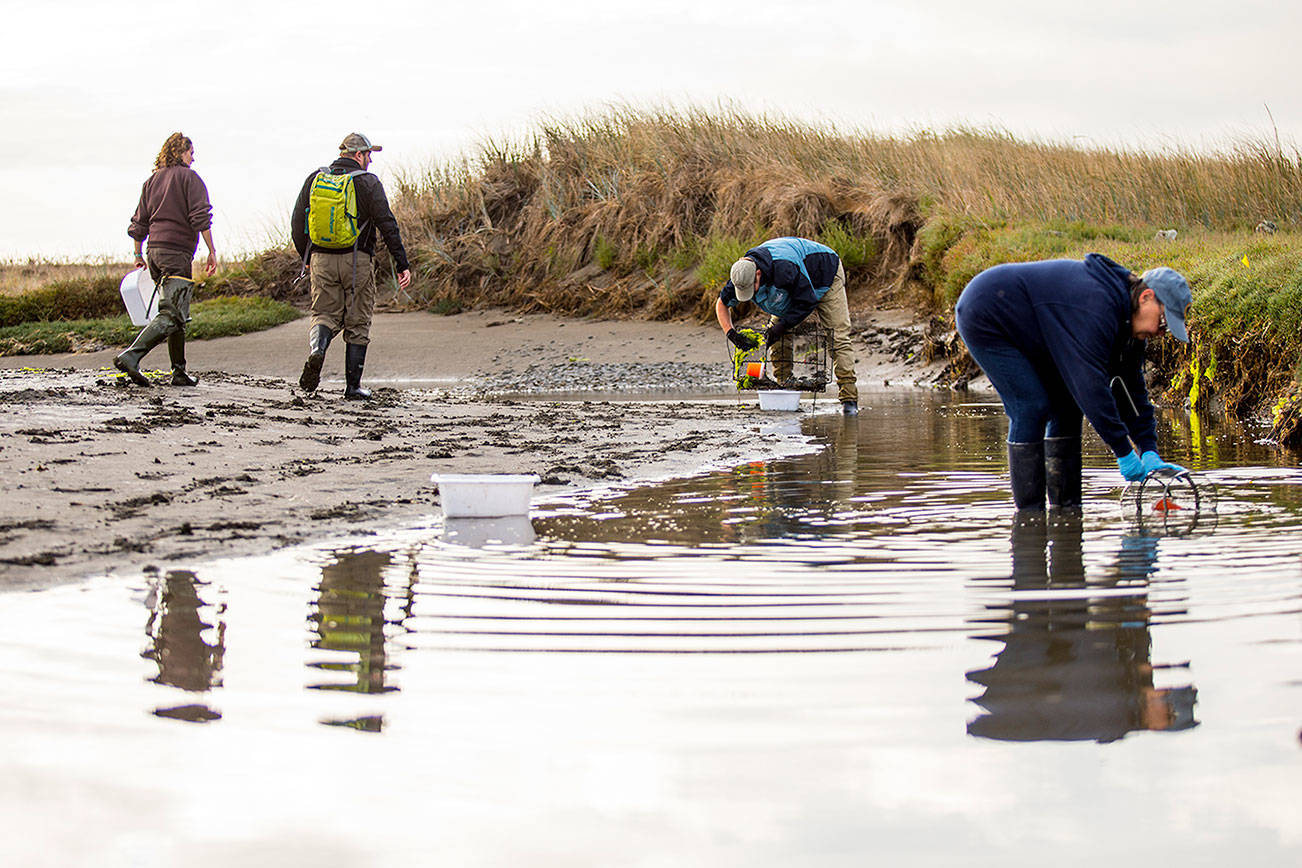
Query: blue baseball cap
[{"x": 1173, "y": 291}]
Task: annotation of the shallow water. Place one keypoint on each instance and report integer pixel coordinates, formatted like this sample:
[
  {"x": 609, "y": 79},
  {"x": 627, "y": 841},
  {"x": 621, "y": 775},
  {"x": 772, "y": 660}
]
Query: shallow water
[{"x": 820, "y": 660}]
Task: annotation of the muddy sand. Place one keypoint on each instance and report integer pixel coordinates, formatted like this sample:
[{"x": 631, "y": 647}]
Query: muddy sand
[{"x": 99, "y": 476}]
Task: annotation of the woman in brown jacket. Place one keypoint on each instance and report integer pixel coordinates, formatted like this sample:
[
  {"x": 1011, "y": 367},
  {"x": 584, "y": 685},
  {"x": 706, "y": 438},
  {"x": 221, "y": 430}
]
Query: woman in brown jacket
[{"x": 173, "y": 213}]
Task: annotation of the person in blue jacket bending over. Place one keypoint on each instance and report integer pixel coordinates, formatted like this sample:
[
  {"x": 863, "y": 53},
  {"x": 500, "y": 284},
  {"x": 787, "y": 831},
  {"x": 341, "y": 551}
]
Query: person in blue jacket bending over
[
  {"x": 790, "y": 278},
  {"x": 1054, "y": 337}
]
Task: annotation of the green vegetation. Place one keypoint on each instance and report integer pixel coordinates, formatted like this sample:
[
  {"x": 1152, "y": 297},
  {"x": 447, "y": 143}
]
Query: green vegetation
[
  {"x": 856, "y": 250},
  {"x": 716, "y": 255},
  {"x": 218, "y": 317},
  {"x": 639, "y": 214},
  {"x": 603, "y": 253},
  {"x": 63, "y": 299},
  {"x": 953, "y": 251}
]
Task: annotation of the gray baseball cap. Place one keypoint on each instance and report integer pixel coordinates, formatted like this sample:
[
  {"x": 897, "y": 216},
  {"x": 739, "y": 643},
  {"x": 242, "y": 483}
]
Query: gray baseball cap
[
  {"x": 355, "y": 143},
  {"x": 743, "y": 279},
  {"x": 1173, "y": 291}
]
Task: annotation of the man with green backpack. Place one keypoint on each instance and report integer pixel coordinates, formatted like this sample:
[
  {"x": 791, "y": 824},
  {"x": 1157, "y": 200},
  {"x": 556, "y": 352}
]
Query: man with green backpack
[{"x": 333, "y": 225}]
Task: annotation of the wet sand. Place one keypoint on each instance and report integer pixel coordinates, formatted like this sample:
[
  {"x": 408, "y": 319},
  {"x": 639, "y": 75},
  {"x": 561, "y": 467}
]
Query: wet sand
[{"x": 101, "y": 476}]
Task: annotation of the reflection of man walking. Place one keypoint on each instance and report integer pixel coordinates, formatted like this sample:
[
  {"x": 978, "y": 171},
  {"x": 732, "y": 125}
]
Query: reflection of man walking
[
  {"x": 172, "y": 213},
  {"x": 343, "y": 278}
]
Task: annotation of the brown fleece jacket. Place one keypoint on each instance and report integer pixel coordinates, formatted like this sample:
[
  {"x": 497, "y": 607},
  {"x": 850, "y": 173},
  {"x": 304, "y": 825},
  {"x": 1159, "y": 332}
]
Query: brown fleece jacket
[{"x": 173, "y": 209}]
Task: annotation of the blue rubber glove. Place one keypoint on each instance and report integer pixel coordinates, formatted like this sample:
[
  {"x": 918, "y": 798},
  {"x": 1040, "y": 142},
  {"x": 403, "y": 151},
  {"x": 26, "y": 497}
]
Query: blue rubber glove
[
  {"x": 1152, "y": 461},
  {"x": 1131, "y": 467}
]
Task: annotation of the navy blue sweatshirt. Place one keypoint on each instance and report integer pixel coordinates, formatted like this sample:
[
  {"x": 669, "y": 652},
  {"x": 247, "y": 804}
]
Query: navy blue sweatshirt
[{"x": 1074, "y": 316}]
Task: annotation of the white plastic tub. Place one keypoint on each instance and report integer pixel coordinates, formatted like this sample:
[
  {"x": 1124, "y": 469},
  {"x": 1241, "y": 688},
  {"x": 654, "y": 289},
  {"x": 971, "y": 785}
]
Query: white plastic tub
[
  {"x": 484, "y": 495},
  {"x": 779, "y": 399}
]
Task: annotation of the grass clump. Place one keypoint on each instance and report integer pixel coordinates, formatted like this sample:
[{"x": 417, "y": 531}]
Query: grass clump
[
  {"x": 716, "y": 255},
  {"x": 604, "y": 254},
  {"x": 856, "y": 250}
]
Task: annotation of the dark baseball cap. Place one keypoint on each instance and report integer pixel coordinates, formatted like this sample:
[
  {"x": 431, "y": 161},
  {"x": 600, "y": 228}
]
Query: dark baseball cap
[{"x": 355, "y": 143}]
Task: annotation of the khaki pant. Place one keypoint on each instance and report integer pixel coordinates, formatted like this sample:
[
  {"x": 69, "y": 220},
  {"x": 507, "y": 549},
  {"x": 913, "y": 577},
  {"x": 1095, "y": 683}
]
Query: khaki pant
[
  {"x": 834, "y": 315},
  {"x": 338, "y": 302}
]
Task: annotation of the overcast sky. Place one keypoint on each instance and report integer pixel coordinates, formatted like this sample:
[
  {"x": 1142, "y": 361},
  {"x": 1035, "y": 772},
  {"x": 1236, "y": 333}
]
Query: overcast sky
[{"x": 91, "y": 89}]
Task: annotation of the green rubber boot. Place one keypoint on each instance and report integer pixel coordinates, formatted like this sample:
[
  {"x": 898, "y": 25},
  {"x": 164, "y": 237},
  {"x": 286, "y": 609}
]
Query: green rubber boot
[
  {"x": 176, "y": 352},
  {"x": 128, "y": 361}
]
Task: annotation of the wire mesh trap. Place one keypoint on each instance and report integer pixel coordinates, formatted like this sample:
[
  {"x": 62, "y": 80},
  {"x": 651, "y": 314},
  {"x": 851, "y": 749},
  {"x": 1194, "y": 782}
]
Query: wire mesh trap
[
  {"x": 765, "y": 368},
  {"x": 1175, "y": 503}
]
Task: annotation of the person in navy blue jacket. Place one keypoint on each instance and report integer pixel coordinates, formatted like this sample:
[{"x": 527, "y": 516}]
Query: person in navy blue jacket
[
  {"x": 790, "y": 278},
  {"x": 1056, "y": 339}
]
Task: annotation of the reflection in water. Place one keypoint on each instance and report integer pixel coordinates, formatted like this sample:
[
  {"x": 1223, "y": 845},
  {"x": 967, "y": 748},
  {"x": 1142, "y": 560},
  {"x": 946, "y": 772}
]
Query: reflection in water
[
  {"x": 514, "y": 530},
  {"x": 186, "y": 660},
  {"x": 1075, "y": 667},
  {"x": 349, "y": 618},
  {"x": 759, "y": 664}
]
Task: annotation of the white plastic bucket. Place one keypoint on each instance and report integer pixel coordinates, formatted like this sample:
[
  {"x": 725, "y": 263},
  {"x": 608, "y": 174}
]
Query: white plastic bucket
[
  {"x": 779, "y": 399},
  {"x": 139, "y": 296},
  {"x": 484, "y": 495}
]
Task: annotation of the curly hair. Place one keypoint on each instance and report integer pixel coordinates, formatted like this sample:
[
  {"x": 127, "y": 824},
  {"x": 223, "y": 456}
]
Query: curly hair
[{"x": 176, "y": 145}]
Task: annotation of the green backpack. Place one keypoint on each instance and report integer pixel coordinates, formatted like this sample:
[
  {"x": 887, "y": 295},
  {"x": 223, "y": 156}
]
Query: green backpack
[{"x": 332, "y": 210}]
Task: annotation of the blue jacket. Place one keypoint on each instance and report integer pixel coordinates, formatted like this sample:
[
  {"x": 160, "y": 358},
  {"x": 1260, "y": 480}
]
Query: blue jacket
[
  {"x": 795, "y": 274},
  {"x": 1072, "y": 316}
]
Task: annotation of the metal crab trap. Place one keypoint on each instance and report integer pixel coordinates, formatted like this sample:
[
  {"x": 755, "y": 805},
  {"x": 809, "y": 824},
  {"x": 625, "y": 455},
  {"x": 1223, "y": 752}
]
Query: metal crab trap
[
  {"x": 765, "y": 367},
  {"x": 1172, "y": 503}
]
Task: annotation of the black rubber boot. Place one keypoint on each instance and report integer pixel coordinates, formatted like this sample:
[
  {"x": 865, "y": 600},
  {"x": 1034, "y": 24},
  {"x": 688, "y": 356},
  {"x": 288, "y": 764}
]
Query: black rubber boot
[
  {"x": 318, "y": 338},
  {"x": 1026, "y": 470},
  {"x": 1062, "y": 471},
  {"x": 128, "y": 361},
  {"x": 176, "y": 351},
  {"x": 354, "y": 361}
]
